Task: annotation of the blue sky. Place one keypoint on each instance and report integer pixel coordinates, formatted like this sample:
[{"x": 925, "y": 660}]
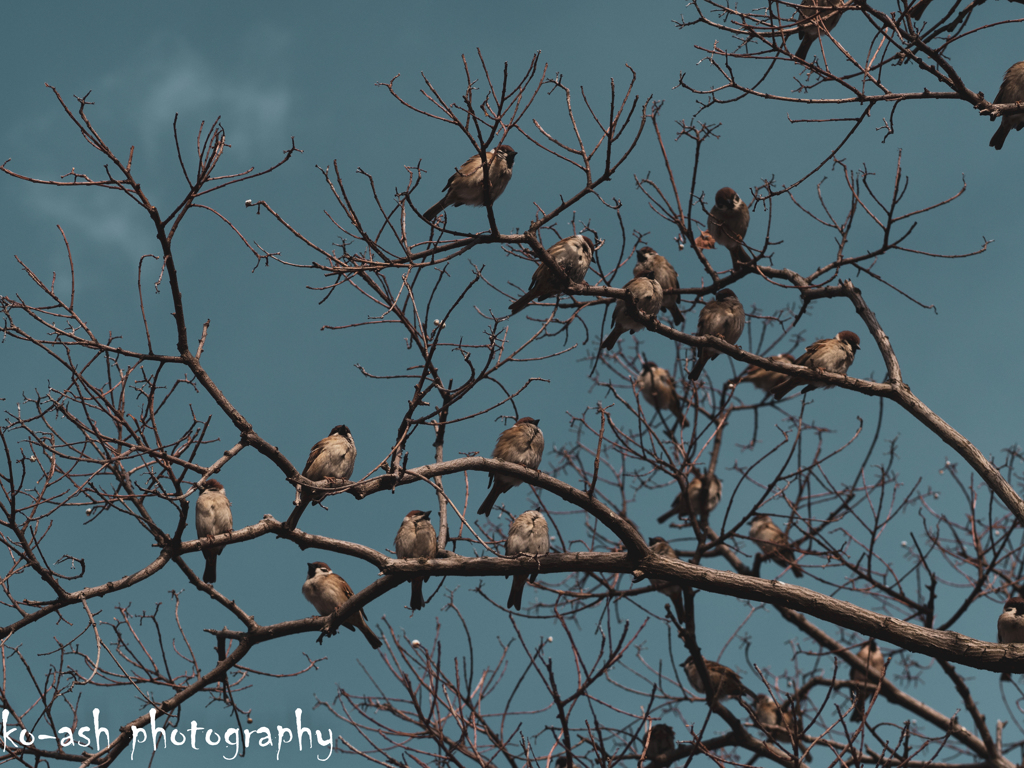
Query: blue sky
[{"x": 272, "y": 72}]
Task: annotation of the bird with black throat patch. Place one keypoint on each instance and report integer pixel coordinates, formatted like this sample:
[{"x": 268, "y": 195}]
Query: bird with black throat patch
[
  {"x": 728, "y": 222},
  {"x": 213, "y": 517},
  {"x": 327, "y": 591},
  {"x": 416, "y": 539},
  {"x": 646, "y": 295},
  {"x": 332, "y": 457},
  {"x": 466, "y": 185},
  {"x": 522, "y": 443},
  {"x": 832, "y": 355}
]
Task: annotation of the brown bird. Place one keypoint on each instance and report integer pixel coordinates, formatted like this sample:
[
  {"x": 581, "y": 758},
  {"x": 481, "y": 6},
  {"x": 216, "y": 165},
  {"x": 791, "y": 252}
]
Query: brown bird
[
  {"x": 875, "y": 661},
  {"x": 466, "y": 185},
  {"x": 773, "y": 543},
  {"x": 416, "y": 539},
  {"x": 724, "y": 318},
  {"x": 816, "y": 17},
  {"x": 762, "y": 378},
  {"x": 573, "y": 255},
  {"x": 650, "y": 263},
  {"x": 769, "y": 715},
  {"x": 522, "y": 443},
  {"x": 659, "y": 389},
  {"x": 528, "y": 535},
  {"x": 334, "y": 456},
  {"x": 661, "y": 740},
  {"x": 213, "y": 517},
  {"x": 1010, "y": 92},
  {"x": 703, "y": 494},
  {"x": 1011, "y": 624},
  {"x": 647, "y": 295},
  {"x": 673, "y": 592},
  {"x": 728, "y": 222},
  {"x": 725, "y": 683},
  {"x": 832, "y": 355},
  {"x": 327, "y": 591}
]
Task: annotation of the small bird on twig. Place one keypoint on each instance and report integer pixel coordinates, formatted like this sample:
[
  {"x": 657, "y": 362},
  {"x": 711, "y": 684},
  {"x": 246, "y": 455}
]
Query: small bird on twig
[
  {"x": 334, "y": 456},
  {"x": 327, "y": 591},
  {"x": 416, "y": 539},
  {"x": 832, "y": 355},
  {"x": 573, "y": 255},
  {"x": 522, "y": 443},
  {"x": 528, "y": 535},
  {"x": 466, "y": 185}
]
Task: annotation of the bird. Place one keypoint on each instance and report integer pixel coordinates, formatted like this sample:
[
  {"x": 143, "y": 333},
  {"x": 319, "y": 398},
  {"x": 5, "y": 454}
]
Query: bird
[
  {"x": 724, "y": 318},
  {"x": 416, "y": 538},
  {"x": 768, "y": 714},
  {"x": 832, "y": 355},
  {"x": 466, "y": 185},
  {"x": 573, "y": 255},
  {"x": 762, "y": 378},
  {"x": 213, "y": 517},
  {"x": 650, "y": 263},
  {"x": 728, "y": 222},
  {"x": 1012, "y": 90},
  {"x": 816, "y": 17},
  {"x": 327, "y": 591},
  {"x": 875, "y": 661},
  {"x": 522, "y": 443},
  {"x": 334, "y": 456},
  {"x": 773, "y": 543},
  {"x": 725, "y": 683},
  {"x": 673, "y": 592},
  {"x": 661, "y": 740},
  {"x": 1011, "y": 624},
  {"x": 646, "y": 295},
  {"x": 659, "y": 389},
  {"x": 528, "y": 535},
  {"x": 703, "y": 494}
]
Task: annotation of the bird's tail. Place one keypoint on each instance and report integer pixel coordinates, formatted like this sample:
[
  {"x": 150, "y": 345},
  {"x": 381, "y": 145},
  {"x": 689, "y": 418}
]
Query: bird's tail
[
  {"x": 612, "y": 337},
  {"x": 1000, "y": 136},
  {"x": 210, "y": 573},
  {"x": 416, "y": 601},
  {"x": 436, "y": 208},
  {"x": 520, "y": 304},
  {"x": 485, "y": 508},
  {"x": 515, "y": 595},
  {"x": 371, "y": 638},
  {"x": 805, "y": 47},
  {"x": 293, "y": 518}
]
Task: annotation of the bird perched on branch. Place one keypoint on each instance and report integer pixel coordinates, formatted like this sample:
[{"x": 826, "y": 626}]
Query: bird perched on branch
[
  {"x": 728, "y": 222},
  {"x": 1011, "y": 624},
  {"x": 662, "y": 739},
  {"x": 528, "y": 535},
  {"x": 725, "y": 683},
  {"x": 703, "y": 494},
  {"x": 650, "y": 263},
  {"x": 416, "y": 538},
  {"x": 724, "y": 318},
  {"x": 1011, "y": 91},
  {"x": 673, "y": 592},
  {"x": 573, "y": 255},
  {"x": 213, "y": 517},
  {"x": 466, "y": 185},
  {"x": 769, "y": 715},
  {"x": 659, "y": 389},
  {"x": 816, "y": 17},
  {"x": 335, "y": 457},
  {"x": 646, "y": 295},
  {"x": 773, "y": 543},
  {"x": 875, "y": 661},
  {"x": 832, "y": 355},
  {"x": 327, "y": 591},
  {"x": 522, "y": 443},
  {"x": 762, "y": 378}
]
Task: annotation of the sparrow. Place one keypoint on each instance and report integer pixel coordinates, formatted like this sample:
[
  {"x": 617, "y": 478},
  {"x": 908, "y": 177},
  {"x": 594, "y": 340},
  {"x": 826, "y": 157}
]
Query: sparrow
[
  {"x": 725, "y": 683},
  {"x": 659, "y": 389},
  {"x": 661, "y": 740},
  {"x": 650, "y": 263},
  {"x": 327, "y": 591},
  {"x": 466, "y": 185},
  {"x": 773, "y": 543},
  {"x": 816, "y": 16},
  {"x": 1012, "y": 90},
  {"x": 724, "y": 318},
  {"x": 701, "y": 500},
  {"x": 768, "y": 714},
  {"x": 1011, "y": 624},
  {"x": 522, "y": 443},
  {"x": 416, "y": 539},
  {"x": 832, "y": 355},
  {"x": 875, "y": 661},
  {"x": 673, "y": 592},
  {"x": 573, "y": 255},
  {"x": 647, "y": 295},
  {"x": 728, "y": 222},
  {"x": 528, "y": 535},
  {"x": 213, "y": 517},
  {"x": 762, "y": 378},
  {"x": 334, "y": 456}
]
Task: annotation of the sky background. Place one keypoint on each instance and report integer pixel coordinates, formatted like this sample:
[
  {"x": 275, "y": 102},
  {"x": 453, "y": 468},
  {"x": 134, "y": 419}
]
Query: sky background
[{"x": 310, "y": 72}]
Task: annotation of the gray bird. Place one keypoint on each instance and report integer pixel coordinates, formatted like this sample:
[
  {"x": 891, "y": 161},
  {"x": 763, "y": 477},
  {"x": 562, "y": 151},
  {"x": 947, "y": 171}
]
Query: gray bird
[
  {"x": 327, "y": 591},
  {"x": 1011, "y": 624},
  {"x": 466, "y": 185},
  {"x": 650, "y": 263},
  {"x": 875, "y": 661},
  {"x": 213, "y": 517},
  {"x": 573, "y": 255},
  {"x": 528, "y": 535},
  {"x": 1011, "y": 91},
  {"x": 832, "y": 355},
  {"x": 416, "y": 539},
  {"x": 334, "y": 456},
  {"x": 522, "y": 443},
  {"x": 724, "y": 318},
  {"x": 728, "y": 222},
  {"x": 816, "y": 17},
  {"x": 647, "y": 295}
]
